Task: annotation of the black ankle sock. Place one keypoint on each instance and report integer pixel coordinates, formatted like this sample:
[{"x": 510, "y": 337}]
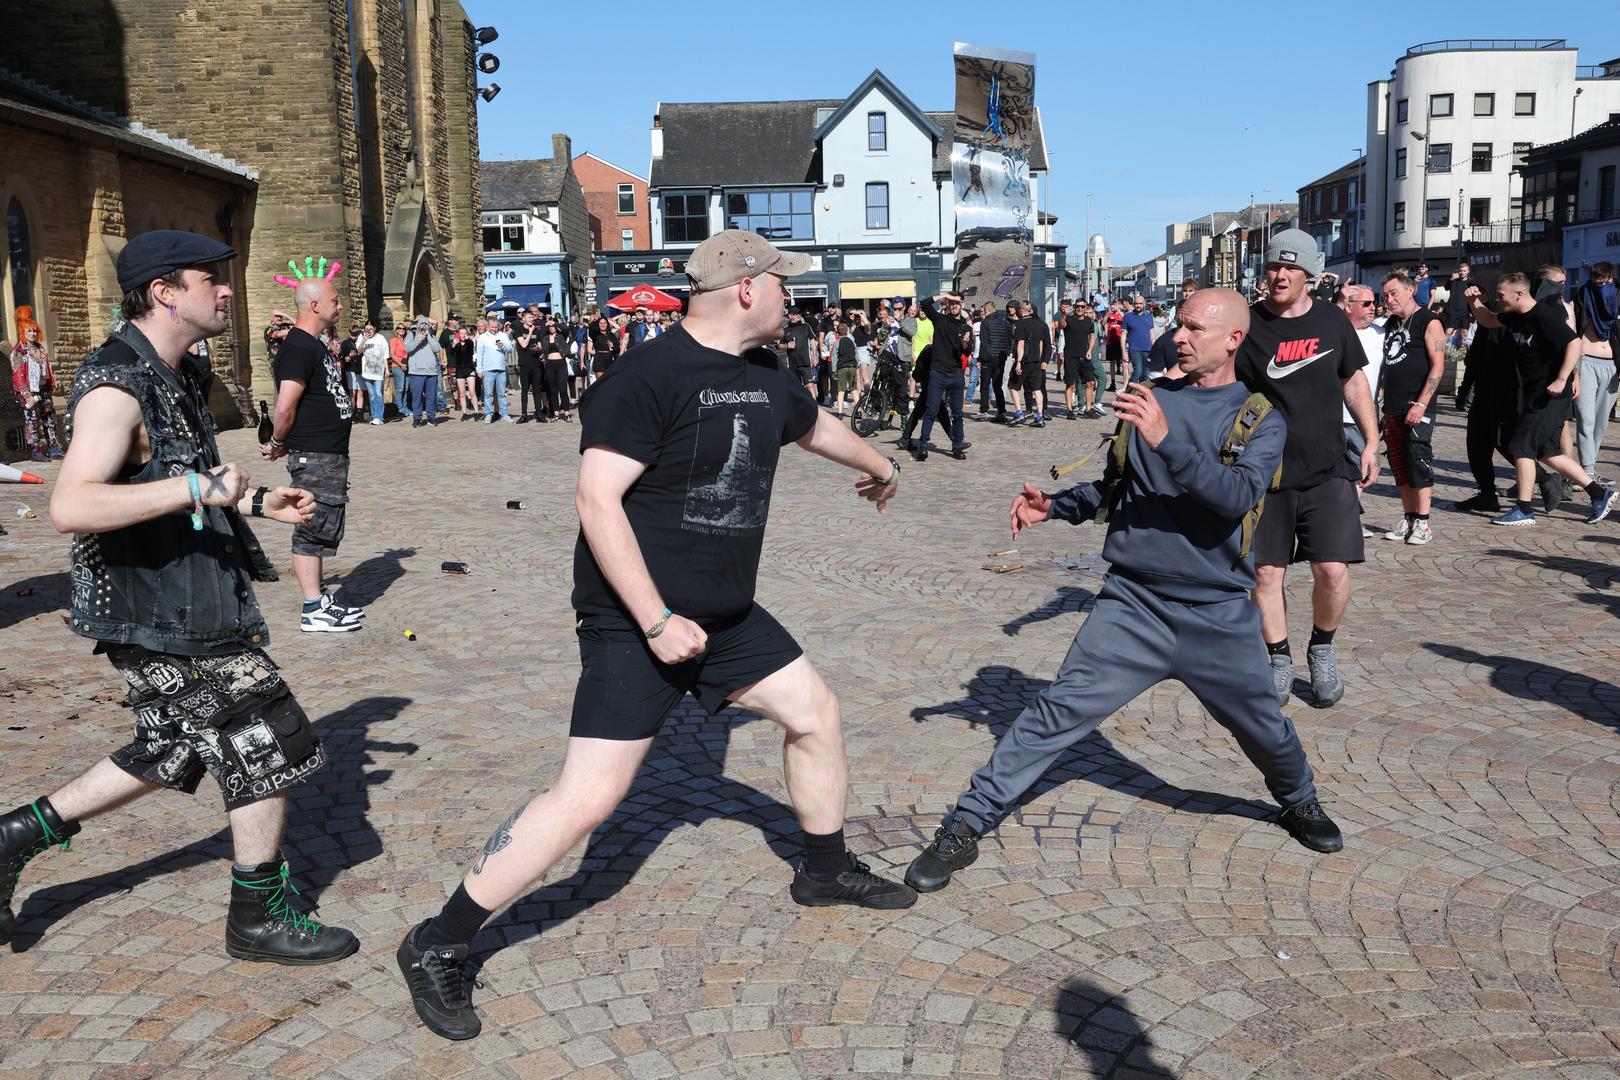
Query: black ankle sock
[
  {"x": 256, "y": 872},
  {"x": 1278, "y": 648},
  {"x": 824, "y": 854},
  {"x": 1420, "y": 517},
  {"x": 1594, "y": 491},
  {"x": 457, "y": 924},
  {"x": 1325, "y": 637},
  {"x": 1524, "y": 506}
]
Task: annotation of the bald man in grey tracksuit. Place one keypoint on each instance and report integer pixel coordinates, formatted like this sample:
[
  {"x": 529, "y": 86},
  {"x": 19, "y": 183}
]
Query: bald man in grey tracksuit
[{"x": 1175, "y": 603}]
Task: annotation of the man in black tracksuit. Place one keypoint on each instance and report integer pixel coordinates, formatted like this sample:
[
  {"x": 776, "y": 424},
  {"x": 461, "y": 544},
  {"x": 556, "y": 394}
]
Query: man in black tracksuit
[
  {"x": 1494, "y": 384},
  {"x": 995, "y": 343},
  {"x": 947, "y": 375},
  {"x": 1175, "y": 603}
]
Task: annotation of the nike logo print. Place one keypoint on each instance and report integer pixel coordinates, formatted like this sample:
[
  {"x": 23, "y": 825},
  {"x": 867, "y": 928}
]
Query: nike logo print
[{"x": 1277, "y": 371}]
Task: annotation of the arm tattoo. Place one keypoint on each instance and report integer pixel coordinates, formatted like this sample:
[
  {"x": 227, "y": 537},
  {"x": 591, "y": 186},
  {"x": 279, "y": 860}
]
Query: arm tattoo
[
  {"x": 216, "y": 482},
  {"x": 499, "y": 840}
]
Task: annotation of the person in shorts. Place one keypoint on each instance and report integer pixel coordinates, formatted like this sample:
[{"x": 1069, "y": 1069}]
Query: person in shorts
[
  {"x": 206, "y": 697},
  {"x": 1548, "y": 352},
  {"x": 679, "y": 444},
  {"x": 1306, "y": 357},
  {"x": 1414, "y": 361},
  {"x": 1032, "y": 349},
  {"x": 312, "y": 424}
]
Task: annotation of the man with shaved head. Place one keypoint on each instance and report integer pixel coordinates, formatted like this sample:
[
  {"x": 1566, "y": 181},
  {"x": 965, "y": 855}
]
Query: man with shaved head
[
  {"x": 312, "y": 423},
  {"x": 1175, "y": 603}
]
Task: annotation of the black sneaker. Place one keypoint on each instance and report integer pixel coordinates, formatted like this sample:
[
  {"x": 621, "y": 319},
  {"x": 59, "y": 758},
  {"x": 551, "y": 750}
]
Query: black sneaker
[
  {"x": 1554, "y": 490},
  {"x": 955, "y": 847},
  {"x": 855, "y": 884},
  {"x": 438, "y": 982},
  {"x": 959, "y": 451},
  {"x": 1478, "y": 503},
  {"x": 1309, "y": 824}
]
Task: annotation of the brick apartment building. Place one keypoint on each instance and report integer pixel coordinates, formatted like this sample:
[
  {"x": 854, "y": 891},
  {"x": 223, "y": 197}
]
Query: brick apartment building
[{"x": 616, "y": 200}]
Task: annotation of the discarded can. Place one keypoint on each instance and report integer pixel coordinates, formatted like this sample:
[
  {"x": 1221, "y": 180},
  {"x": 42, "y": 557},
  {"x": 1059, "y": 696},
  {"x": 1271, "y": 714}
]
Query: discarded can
[
  {"x": 410, "y": 635},
  {"x": 516, "y": 504},
  {"x": 454, "y": 567},
  {"x": 24, "y": 512}
]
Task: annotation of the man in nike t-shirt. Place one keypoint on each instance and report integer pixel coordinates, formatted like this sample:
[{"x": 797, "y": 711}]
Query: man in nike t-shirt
[{"x": 1306, "y": 357}]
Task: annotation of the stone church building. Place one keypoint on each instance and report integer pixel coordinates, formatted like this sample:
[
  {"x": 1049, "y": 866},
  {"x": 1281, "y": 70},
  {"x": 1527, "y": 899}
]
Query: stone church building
[{"x": 338, "y": 128}]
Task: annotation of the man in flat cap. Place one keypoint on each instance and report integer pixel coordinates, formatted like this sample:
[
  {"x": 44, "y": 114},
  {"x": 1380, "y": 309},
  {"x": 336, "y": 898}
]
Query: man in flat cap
[
  {"x": 679, "y": 448},
  {"x": 143, "y": 475}
]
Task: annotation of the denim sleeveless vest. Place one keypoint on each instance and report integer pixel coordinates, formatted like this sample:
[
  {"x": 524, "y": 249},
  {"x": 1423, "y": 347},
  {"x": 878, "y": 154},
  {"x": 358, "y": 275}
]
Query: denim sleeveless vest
[{"x": 162, "y": 584}]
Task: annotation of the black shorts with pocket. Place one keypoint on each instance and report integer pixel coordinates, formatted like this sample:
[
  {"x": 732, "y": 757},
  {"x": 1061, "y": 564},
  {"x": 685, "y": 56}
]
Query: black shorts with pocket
[
  {"x": 1540, "y": 430},
  {"x": 625, "y": 693},
  {"x": 1321, "y": 523},
  {"x": 1030, "y": 377},
  {"x": 231, "y": 716}
]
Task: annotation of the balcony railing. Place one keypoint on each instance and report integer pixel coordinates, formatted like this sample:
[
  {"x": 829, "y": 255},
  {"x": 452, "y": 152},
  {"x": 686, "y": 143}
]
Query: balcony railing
[
  {"x": 1470, "y": 44},
  {"x": 1496, "y": 232},
  {"x": 1597, "y": 71}
]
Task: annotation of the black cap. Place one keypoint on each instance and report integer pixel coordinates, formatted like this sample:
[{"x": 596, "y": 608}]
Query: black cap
[
  {"x": 152, "y": 254},
  {"x": 794, "y": 310}
]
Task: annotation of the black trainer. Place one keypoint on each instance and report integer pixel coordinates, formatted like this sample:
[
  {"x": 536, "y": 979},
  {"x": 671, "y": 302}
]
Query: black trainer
[
  {"x": 955, "y": 847},
  {"x": 438, "y": 982},
  {"x": 24, "y": 833},
  {"x": 855, "y": 884},
  {"x": 1480, "y": 502},
  {"x": 1309, "y": 824},
  {"x": 263, "y": 927}
]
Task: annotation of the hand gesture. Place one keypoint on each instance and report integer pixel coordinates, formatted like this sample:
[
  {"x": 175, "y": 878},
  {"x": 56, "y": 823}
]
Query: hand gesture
[
  {"x": 1369, "y": 465},
  {"x": 1556, "y": 387},
  {"x": 874, "y": 490},
  {"x": 1138, "y": 405},
  {"x": 272, "y": 453},
  {"x": 223, "y": 486},
  {"x": 1029, "y": 507},
  {"x": 681, "y": 640},
  {"x": 295, "y": 506},
  {"x": 1414, "y": 415}
]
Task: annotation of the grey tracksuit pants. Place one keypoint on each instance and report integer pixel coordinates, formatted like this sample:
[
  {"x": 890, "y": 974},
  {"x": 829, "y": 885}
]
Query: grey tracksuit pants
[
  {"x": 1214, "y": 649},
  {"x": 1592, "y": 408}
]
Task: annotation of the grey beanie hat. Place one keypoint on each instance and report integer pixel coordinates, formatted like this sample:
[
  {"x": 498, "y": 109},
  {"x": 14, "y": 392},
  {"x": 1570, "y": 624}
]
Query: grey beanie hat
[{"x": 1295, "y": 247}]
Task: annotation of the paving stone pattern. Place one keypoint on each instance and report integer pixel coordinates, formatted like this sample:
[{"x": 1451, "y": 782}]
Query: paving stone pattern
[{"x": 1141, "y": 916}]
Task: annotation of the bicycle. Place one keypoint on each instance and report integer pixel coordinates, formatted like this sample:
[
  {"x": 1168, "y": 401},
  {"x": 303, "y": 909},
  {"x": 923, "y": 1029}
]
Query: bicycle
[{"x": 884, "y": 399}]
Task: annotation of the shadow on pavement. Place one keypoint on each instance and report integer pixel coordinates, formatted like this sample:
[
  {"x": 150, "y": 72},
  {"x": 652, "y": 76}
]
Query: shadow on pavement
[
  {"x": 1098, "y": 1025},
  {"x": 46, "y": 592},
  {"x": 998, "y": 693},
  {"x": 1528, "y": 680},
  {"x": 680, "y": 783},
  {"x": 328, "y": 831},
  {"x": 1067, "y": 598},
  {"x": 1598, "y": 574},
  {"x": 365, "y": 584}
]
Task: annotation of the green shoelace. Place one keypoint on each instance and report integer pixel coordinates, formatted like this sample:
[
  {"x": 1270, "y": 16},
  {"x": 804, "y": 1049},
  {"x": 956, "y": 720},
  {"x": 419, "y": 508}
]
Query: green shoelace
[{"x": 279, "y": 907}]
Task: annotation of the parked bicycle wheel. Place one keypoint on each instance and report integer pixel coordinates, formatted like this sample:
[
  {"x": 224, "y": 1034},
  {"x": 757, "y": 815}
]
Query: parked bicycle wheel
[{"x": 867, "y": 418}]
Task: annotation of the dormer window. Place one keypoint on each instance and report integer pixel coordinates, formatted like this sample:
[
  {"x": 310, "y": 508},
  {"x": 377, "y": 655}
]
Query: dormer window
[{"x": 877, "y": 131}]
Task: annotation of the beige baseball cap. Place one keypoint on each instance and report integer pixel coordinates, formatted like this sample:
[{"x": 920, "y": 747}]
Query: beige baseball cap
[{"x": 727, "y": 257}]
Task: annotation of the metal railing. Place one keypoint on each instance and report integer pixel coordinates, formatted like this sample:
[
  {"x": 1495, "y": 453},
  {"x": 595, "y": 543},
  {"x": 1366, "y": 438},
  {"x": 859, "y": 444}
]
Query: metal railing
[
  {"x": 1597, "y": 71},
  {"x": 1467, "y": 44}
]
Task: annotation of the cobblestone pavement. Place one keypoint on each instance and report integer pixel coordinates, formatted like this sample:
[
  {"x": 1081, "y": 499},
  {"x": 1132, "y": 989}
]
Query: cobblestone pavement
[{"x": 1140, "y": 917}]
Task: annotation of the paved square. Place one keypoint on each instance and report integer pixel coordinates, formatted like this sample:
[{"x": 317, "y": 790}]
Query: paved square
[{"x": 1140, "y": 917}]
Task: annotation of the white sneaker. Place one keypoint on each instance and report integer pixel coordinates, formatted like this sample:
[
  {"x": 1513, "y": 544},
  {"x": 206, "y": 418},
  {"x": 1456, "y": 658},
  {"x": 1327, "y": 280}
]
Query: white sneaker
[
  {"x": 376, "y": 423},
  {"x": 328, "y": 619},
  {"x": 1401, "y": 531},
  {"x": 507, "y": 420},
  {"x": 1421, "y": 533}
]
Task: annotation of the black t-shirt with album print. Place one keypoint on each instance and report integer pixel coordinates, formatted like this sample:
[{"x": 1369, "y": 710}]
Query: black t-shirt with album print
[
  {"x": 709, "y": 426},
  {"x": 325, "y": 413},
  {"x": 1301, "y": 364}
]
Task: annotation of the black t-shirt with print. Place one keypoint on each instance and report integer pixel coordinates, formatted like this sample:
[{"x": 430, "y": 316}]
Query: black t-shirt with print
[
  {"x": 323, "y": 420},
  {"x": 1301, "y": 364},
  {"x": 1077, "y": 333},
  {"x": 1539, "y": 337},
  {"x": 1406, "y": 361},
  {"x": 709, "y": 426}
]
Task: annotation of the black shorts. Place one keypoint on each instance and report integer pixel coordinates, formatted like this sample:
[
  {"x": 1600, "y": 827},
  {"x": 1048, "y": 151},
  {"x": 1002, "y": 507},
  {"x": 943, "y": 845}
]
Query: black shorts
[
  {"x": 625, "y": 693},
  {"x": 1077, "y": 369},
  {"x": 1411, "y": 452},
  {"x": 1030, "y": 377},
  {"x": 1540, "y": 430},
  {"x": 325, "y": 476},
  {"x": 1321, "y": 523},
  {"x": 231, "y": 716}
]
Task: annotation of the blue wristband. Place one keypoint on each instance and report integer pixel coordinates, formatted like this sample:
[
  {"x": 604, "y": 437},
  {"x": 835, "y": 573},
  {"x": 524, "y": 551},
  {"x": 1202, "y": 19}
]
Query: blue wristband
[{"x": 196, "y": 501}]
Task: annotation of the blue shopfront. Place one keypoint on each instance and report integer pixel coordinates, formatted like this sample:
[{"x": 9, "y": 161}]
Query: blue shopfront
[{"x": 527, "y": 279}]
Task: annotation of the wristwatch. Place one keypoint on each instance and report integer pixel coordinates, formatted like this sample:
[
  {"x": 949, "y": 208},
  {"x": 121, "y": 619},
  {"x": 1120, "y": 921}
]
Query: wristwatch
[{"x": 258, "y": 502}]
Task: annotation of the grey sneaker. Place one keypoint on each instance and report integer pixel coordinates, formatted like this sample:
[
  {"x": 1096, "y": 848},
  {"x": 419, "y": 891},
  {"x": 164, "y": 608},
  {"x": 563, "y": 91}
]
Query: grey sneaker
[
  {"x": 1282, "y": 676},
  {"x": 1326, "y": 686}
]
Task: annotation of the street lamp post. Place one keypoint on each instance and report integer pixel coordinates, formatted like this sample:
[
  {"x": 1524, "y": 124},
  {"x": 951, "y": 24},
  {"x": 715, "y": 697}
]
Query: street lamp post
[{"x": 1423, "y": 208}]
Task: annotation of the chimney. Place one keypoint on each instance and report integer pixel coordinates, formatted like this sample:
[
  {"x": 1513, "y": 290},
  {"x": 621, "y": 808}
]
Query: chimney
[
  {"x": 562, "y": 148},
  {"x": 657, "y": 137}
]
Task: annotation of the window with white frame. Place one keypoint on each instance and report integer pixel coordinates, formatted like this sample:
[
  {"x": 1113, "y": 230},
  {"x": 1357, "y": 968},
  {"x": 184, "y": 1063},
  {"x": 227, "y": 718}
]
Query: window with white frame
[
  {"x": 503, "y": 232},
  {"x": 627, "y": 199},
  {"x": 627, "y": 239}
]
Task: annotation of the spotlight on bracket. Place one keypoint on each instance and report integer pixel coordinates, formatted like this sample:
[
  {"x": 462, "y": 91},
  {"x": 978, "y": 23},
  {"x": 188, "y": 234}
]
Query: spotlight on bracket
[
  {"x": 488, "y": 93},
  {"x": 489, "y": 63},
  {"x": 485, "y": 34}
]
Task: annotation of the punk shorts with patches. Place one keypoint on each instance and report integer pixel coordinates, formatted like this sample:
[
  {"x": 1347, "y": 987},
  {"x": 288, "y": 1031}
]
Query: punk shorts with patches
[
  {"x": 231, "y": 716},
  {"x": 325, "y": 476}
]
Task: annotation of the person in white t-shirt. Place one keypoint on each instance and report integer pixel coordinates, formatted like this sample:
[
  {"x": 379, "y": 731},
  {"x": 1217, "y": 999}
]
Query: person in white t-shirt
[{"x": 1360, "y": 303}]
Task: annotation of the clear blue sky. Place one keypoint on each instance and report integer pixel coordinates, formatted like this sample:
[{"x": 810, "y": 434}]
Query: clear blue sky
[{"x": 1165, "y": 111}]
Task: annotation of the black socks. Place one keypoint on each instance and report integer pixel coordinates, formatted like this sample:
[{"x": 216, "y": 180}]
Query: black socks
[
  {"x": 1325, "y": 637},
  {"x": 1278, "y": 648},
  {"x": 1524, "y": 506},
  {"x": 1594, "y": 491},
  {"x": 824, "y": 854},
  {"x": 457, "y": 924}
]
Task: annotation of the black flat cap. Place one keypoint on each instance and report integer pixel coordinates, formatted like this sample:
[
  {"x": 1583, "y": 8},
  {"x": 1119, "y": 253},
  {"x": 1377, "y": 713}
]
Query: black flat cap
[{"x": 150, "y": 255}]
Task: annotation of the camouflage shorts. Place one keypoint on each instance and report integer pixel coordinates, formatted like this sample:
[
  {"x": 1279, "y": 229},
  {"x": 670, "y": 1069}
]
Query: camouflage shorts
[
  {"x": 326, "y": 476},
  {"x": 231, "y": 716}
]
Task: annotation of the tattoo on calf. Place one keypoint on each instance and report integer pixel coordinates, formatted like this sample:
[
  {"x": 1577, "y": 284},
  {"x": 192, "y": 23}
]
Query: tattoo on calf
[{"x": 499, "y": 840}]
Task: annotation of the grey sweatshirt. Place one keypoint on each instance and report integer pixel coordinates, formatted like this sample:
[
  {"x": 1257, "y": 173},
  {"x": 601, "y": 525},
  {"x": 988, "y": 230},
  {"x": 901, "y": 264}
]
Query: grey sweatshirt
[{"x": 1178, "y": 527}]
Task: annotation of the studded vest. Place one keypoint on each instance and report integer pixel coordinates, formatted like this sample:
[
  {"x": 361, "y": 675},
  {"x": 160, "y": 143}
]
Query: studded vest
[{"x": 163, "y": 584}]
